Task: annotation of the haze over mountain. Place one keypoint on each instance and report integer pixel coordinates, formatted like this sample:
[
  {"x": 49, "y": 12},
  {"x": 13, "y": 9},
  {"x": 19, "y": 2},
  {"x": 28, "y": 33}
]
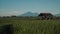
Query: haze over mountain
[
  {"x": 58, "y": 15},
  {"x": 35, "y": 14},
  {"x": 18, "y": 7},
  {"x": 29, "y": 14}
]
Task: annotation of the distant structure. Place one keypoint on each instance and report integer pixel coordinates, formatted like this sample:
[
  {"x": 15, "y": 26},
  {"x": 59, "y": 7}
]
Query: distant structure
[
  {"x": 13, "y": 16},
  {"x": 45, "y": 16}
]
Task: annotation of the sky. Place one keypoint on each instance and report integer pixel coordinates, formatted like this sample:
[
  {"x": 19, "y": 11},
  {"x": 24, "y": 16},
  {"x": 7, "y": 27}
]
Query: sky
[{"x": 18, "y": 7}]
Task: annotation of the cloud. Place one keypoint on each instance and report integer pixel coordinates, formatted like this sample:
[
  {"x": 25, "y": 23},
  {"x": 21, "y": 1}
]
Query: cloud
[
  {"x": 7, "y": 12},
  {"x": 49, "y": 11},
  {"x": 10, "y": 13}
]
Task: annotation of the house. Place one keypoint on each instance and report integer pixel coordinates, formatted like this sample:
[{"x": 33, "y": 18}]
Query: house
[{"x": 45, "y": 16}]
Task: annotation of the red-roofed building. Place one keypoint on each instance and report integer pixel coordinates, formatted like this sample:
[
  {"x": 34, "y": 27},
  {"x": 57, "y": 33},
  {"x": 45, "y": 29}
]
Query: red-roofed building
[{"x": 45, "y": 15}]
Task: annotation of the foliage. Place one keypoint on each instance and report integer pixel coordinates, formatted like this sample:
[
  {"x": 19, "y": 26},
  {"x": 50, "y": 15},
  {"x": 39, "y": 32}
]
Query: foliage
[{"x": 30, "y": 26}]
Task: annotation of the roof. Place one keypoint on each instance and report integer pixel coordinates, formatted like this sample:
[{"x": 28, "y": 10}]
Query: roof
[{"x": 45, "y": 14}]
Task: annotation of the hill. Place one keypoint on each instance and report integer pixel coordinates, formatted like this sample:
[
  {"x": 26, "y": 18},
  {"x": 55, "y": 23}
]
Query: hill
[
  {"x": 58, "y": 15},
  {"x": 29, "y": 14}
]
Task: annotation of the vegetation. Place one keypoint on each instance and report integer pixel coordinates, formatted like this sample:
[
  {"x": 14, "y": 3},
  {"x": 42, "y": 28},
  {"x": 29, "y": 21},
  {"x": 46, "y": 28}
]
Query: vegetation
[{"x": 32, "y": 26}]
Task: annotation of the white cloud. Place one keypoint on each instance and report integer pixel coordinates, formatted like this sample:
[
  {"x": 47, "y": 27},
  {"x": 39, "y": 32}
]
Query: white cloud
[
  {"x": 10, "y": 13},
  {"x": 19, "y": 12},
  {"x": 49, "y": 11}
]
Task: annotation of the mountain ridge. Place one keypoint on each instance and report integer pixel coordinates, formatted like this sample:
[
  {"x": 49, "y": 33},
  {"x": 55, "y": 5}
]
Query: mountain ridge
[
  {"x": 29, "y": 14},
  {"x": 58, "y": 15},
  {"x": 35, "y": 14}
]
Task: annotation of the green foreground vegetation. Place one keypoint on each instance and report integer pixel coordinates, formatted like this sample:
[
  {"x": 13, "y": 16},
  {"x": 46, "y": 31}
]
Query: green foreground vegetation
[{"x": 27, "y": 26}]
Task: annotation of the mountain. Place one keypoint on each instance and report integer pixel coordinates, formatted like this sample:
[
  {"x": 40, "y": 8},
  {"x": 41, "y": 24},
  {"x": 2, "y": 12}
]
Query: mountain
[
  {"x": 58, "y": 15},
  {"x": 29, "y": 14}
]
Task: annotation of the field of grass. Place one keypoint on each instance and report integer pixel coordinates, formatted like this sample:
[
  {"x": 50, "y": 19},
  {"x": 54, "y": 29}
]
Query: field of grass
[{"x": 28, "y": 26}]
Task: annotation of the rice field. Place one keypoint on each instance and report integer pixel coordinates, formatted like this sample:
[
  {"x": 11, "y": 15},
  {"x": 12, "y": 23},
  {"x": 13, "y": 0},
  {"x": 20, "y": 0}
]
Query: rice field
[{"x": 28, "y": 26}]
